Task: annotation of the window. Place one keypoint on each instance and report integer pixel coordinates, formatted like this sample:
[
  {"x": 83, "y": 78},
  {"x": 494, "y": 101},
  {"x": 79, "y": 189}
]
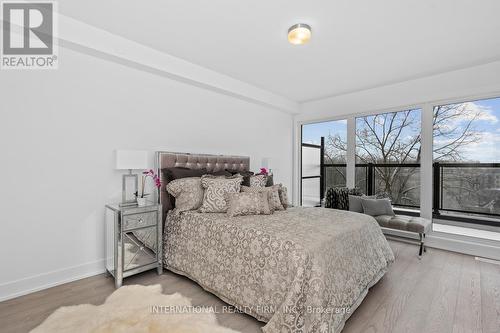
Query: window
[
  {"x": 388, "y": 156},
  {"x": 463, "y": 183},
  {"x": 331, "y": 139},
  {"x": 466, "y": 157}
]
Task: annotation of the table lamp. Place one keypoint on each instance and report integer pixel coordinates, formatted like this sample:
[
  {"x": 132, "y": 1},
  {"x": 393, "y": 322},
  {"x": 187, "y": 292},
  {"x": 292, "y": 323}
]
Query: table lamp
[{"x": 130, "y": 160}]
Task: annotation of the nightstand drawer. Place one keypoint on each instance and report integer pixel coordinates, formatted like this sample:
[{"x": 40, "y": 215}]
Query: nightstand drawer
[{"x": 139, "y": 220}]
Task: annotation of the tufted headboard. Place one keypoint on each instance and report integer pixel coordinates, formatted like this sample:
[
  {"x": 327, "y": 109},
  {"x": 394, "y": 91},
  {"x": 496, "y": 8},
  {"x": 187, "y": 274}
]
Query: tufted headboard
[{"x": 195, "y": 161}]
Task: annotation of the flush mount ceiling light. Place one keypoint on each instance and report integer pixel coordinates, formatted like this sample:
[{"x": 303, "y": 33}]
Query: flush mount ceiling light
[{"x": 299, "y": 34}]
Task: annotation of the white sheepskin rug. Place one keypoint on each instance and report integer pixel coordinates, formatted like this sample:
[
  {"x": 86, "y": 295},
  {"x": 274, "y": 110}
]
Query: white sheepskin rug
[{"x": 132, "y": 309}]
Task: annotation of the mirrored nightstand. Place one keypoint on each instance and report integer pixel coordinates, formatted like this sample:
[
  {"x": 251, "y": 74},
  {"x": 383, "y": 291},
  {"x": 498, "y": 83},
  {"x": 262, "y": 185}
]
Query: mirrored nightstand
[{"x": 133, "y": 240}]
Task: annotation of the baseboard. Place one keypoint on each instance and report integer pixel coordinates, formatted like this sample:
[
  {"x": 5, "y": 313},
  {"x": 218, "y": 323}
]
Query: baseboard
[
  {"x": 455, "y": 243},
  {"x": 473, "y": 247},
  {"x": 42, "y": 281}
]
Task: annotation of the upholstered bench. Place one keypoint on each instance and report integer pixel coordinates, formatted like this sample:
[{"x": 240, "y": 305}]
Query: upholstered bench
[
  {"x": 414, "y": 224},
  {"x": 351, "y": 199}
]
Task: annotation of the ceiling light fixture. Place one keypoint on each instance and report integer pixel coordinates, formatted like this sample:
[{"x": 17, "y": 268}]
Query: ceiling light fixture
[{"x": 299, "y": 34}]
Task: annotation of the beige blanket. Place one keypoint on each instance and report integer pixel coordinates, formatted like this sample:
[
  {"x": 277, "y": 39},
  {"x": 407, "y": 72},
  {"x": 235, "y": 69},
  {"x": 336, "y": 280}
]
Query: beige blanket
[{"x": 299, "y": 270}]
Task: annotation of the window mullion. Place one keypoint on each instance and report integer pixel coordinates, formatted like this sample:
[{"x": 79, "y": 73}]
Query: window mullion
[
  {"x": 426, "y": 161},
  {"x": 351, "y": 152}
]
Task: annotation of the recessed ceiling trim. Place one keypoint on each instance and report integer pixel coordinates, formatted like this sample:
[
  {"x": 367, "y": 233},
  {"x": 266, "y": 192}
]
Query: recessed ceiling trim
[
  {"x": 403, "y": 79},
  {"x": 90, "y": 40}
]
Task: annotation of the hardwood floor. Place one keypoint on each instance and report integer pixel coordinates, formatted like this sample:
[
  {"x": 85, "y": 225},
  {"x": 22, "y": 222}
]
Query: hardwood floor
[{"x": 443, "y": 292}]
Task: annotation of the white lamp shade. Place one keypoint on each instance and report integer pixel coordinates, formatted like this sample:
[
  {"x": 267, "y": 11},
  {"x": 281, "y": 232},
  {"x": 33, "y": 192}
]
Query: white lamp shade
[{"x": 131, "y": 159}]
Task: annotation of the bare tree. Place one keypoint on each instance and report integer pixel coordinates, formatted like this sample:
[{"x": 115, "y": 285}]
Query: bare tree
[
  {"x": 394, "y": 138},
  {"x": 451, "y": 133},
  {"x": 335, "y": 149}
]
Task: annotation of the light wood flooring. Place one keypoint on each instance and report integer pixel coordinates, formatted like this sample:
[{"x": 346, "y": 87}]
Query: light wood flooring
[{"x": 443, "y": 292}]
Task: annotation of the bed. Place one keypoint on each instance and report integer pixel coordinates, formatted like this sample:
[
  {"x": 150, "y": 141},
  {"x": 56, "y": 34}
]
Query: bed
[{"x": 298, "y": 270}]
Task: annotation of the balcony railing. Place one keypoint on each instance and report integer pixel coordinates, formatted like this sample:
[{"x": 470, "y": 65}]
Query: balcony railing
[
  {"x": 403, "y": 189},
  {"x": 467, "y": 188},
  {"x": 458, "y": 188}
]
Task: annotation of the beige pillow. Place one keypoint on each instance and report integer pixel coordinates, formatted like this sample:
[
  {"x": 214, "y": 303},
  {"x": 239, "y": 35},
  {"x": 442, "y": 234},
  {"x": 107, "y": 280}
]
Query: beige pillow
[
  {"x": 188, "y": 193},
  {"x": 216, "y": 191},
  {"x": 283, "y": 192},
  {"x": 258, "y": 181},
  {"x": 274, "y": 197},
  {"x": 248, "y": 203}
]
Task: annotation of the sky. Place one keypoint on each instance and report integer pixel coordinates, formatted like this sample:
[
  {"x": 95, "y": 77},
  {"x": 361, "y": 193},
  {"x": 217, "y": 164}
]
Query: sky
[
  {"x": 487, "y": 150},
  {"x": 312, "y": 133}
]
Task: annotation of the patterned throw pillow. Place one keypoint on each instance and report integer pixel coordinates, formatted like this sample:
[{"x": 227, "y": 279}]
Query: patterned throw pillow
[
  {"x": 274, "y": 196},
  {"x": 283, "y": 192},
  {"x": 258, "y": 181},
  {"x": 188, "y": 193},
  {"x": 338, "y": 197},
  {"x": 216, "y": 190},
  {"x": 270, "y": 180},
  {"x": 246, "y": 176},
  {"x": 248, "y": 203}
]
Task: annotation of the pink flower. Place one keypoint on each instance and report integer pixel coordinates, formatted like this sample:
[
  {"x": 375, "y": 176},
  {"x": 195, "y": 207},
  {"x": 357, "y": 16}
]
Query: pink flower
[
  {"x": 263, "y": 171},
  {"x": 152, "y": 174}
]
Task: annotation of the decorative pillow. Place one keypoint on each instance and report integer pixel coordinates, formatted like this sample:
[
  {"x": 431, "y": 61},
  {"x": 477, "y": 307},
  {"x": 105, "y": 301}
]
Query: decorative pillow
[
  {"x": 338, "y": 197},
  {"x": 248, "y": 203},
  {"x": 283, "y": 193},
  {"x": 270, "y": 180},
  {"x": 220, "y": 173},
  {"x": 170, "y": 174},
  {"x": 245, "y": 174},
  {"x": 376, "y": 207},
  {"x": 188, "y": 193},
  {"x": 274, "y": 197},
  {"x": 173, "y": 173},
  {"x": 258, "y": 181},
  {"x": 355, "y": 202},
  {"x": 179, "y": 172},
  {"x": 216, "y": 190}
]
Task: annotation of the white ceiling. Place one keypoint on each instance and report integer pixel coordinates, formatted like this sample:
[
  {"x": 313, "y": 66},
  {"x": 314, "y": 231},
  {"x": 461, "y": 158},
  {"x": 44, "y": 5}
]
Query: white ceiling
[{"x": 355, "y": 45}]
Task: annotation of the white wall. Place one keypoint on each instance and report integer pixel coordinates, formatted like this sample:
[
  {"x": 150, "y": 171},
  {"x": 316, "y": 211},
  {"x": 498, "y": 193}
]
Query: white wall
[
  {"x": 465, "y": 83},
  {"x": 58, "y": 130}
]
